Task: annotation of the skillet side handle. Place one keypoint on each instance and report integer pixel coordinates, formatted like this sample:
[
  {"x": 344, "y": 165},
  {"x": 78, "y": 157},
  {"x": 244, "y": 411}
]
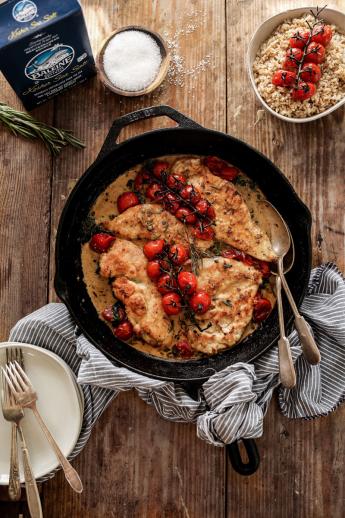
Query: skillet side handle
[
  {"x": 143, "y": 114},
  {"x": 244, "y": 468}
]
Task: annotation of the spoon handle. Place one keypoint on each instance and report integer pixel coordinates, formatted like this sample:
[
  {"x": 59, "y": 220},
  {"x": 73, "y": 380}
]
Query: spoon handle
[
  {"x": 286, "y": 367},
  {"x": 309, "y": 347}
]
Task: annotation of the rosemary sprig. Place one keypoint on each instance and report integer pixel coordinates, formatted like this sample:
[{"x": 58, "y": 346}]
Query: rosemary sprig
[{"x": 21, "y": 123}]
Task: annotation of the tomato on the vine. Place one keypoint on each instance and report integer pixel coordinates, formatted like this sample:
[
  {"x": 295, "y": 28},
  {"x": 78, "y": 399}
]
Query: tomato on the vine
[
  {"x": 187, "y": 282},
  {"x": 159, "y": 168},
  {"x": 171, "y": 303},
  {"x": 155, "y": 192},
  {"x": 153, "y": 269},
  {"x": 284, "y": 78},
  {"x": 178, "y": 254},
  {"x": 204, "y": 233},
  {"x": 303, "y": 91},
  {"x": 166, "y": 283},
  {"x": 200, "y": 302},
  {"x": 176, "y": 181},
  {"x": 190, "y": 194},
  {"x": 141, "y": 179},
  {"x": 126, "y": 200},
  {"x": 311, "y": 73},
  {"x": 322, "y": 34},
  {"x": 315, "y": 53},
  {"x": 186, "y": 215},
  {"x": 171, "y": 202},
  {"x": 101, "y": 242},
  {"x": 293, "y": 58},
  {"x": 153, "y": 248},
  {"x": 299, "y": 39},
  {"x": 219, "y": 167}
]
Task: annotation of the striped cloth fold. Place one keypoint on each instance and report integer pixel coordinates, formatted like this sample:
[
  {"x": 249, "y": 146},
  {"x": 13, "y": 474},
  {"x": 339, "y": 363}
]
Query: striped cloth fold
[{"x": 232, "y": 403}]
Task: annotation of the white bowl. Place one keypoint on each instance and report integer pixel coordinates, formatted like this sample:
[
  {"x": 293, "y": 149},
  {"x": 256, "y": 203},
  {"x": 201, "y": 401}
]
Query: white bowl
[{"x": 330, "y": 16}]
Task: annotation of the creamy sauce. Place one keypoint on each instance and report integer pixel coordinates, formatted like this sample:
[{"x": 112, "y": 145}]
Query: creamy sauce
[{"x": 105, "y": 208}]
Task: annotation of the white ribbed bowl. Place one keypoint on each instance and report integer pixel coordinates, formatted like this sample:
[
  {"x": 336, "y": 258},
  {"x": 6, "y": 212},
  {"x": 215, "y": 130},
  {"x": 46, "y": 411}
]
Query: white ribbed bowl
[{"x": 330, "y": 16}]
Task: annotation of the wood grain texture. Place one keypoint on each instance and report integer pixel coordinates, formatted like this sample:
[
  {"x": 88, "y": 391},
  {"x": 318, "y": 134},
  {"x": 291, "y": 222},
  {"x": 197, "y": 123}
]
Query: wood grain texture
[
  {"x": 300, "y": 474},
  {"x": 136, "y": 464}
]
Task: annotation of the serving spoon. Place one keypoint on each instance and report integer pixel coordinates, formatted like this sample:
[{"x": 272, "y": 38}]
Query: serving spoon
[{"x": 281, "y": 243}]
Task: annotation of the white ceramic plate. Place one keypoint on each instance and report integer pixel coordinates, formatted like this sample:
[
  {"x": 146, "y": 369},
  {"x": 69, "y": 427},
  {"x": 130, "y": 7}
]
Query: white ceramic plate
[
  {"x": 265, "y": 30},
  {"x": 60, "y": 402}
]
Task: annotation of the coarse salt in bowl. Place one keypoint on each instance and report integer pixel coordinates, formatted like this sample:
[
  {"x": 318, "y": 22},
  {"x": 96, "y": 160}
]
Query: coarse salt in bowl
[{"x": 133, "y": 61}]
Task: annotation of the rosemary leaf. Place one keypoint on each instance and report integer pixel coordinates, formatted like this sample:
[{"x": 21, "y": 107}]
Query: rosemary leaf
[{"x": 21, "y": 123}]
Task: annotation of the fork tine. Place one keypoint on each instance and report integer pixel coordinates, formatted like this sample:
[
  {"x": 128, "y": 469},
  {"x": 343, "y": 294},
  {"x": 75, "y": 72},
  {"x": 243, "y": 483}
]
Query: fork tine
[
  {"x": 21, "y": 372},
  {"x": 16, "y": 378},
  {"x": 4, "y": 391},
  {"x": 9, "y": 382}
]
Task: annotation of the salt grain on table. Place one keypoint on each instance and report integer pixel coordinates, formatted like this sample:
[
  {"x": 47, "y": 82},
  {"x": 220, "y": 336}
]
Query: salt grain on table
[{"x": 132, "y": 60}]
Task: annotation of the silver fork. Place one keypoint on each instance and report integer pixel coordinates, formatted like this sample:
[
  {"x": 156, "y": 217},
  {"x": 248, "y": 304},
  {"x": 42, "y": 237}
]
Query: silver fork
[
  {"x": 14, "y": 413},
  {"x": 26, "y": 396},
  {"x": 14, "y": 489}
]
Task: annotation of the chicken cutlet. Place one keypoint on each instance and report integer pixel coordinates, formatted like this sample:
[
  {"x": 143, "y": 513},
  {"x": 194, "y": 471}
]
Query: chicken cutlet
[
  {"x": 233, "y": 222},
  {"x": 126, "y": 262},
  {"x": 148, "y": 221},
  {"x": 232, "y": 286}
]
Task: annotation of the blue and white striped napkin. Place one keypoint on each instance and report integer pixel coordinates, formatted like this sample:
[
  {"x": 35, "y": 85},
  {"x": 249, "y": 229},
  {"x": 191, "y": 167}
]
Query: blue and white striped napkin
[{"x": 232, "y": 403}]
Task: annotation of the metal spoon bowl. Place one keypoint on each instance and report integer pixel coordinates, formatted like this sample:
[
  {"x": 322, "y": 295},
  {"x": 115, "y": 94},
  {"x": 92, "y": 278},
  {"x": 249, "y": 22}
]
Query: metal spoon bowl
[{"x": 282, "y": 242}]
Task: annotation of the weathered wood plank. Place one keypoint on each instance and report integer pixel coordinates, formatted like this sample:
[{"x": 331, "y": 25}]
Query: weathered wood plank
[
  {"x": 137, "y": 465},
  {"x": 299, "y": 476}
]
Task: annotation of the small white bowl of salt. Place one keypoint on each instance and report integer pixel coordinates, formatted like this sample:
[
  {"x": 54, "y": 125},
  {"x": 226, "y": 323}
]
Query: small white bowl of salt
[{"x": 133, "y": 61}]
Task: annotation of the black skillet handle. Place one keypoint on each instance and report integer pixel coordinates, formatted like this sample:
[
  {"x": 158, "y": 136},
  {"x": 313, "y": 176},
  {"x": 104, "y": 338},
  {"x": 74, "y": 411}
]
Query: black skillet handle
[
  {"x": 244, "y": 468},
  {"x": 145, "y": 113}
]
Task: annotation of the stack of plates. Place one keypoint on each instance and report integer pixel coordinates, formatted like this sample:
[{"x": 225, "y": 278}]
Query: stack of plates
[{"x": 60, "y": 403}]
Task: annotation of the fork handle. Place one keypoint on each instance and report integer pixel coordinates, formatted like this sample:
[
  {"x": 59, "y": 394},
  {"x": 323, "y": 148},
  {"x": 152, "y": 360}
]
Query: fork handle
[
  {"x": 32, "y": 494},
  {"x": 14, "y": 479},
  {"x": 71, "y": 475}
]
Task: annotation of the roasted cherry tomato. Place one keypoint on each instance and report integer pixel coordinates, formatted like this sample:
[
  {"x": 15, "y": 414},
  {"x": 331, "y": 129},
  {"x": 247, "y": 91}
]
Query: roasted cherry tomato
[
  {"x": 315, "y": 53},
  {"x": 171, "y": 202},
  {"x": 123, "y": 331},
  {"x": 299, "y": 39},
  {"x": 159, "y": 167},
  {"x": 176, "y": 181},
  {"x": 101, "y": 242},
  {"x": 211, "y": 213},
  {"x": 322, "y": 34},
  {"x": 200, "y": 302},
  {"x": 264, "y": 268},
  {"x": 233, "y": 253},
  {"x": 303, "y": 91},
  {"x": 186, "y": 215},
  {"x": 187, "y": 282},
  {"x": 155, "y": 192},
  {"x": 202, "y": 206},
  {"x": 262, "y": 308},
  {"x": 190, "y": 194},
  {"x": 141, "y": 179},
  {"x": 166, "y": 284},
  {"x": 153, "y": 248},
  {"x": 115, "y": 313},
  {"x": 220, "y": 168},
  {"x": 171, "y": 303},
  {"x": 126, "y": 200},
  {"x": 178, "y": 254},
  {"x": 284, "y": 78},
  {"x": 311, "y": 73},
  {"x": 153, "y": 269},
  {"x": 204, "y": 233},
  {"x": 184, "y": 349},
  {"x": 293, "y": 58}
]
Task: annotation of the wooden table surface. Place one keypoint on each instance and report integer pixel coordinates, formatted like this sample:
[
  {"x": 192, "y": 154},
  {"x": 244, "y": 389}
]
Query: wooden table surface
[{"x": 137, "y": 465}]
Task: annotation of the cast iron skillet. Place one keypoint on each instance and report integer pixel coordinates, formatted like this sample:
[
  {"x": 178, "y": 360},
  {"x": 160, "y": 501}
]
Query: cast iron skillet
[{"x": 114, "y": 159}]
